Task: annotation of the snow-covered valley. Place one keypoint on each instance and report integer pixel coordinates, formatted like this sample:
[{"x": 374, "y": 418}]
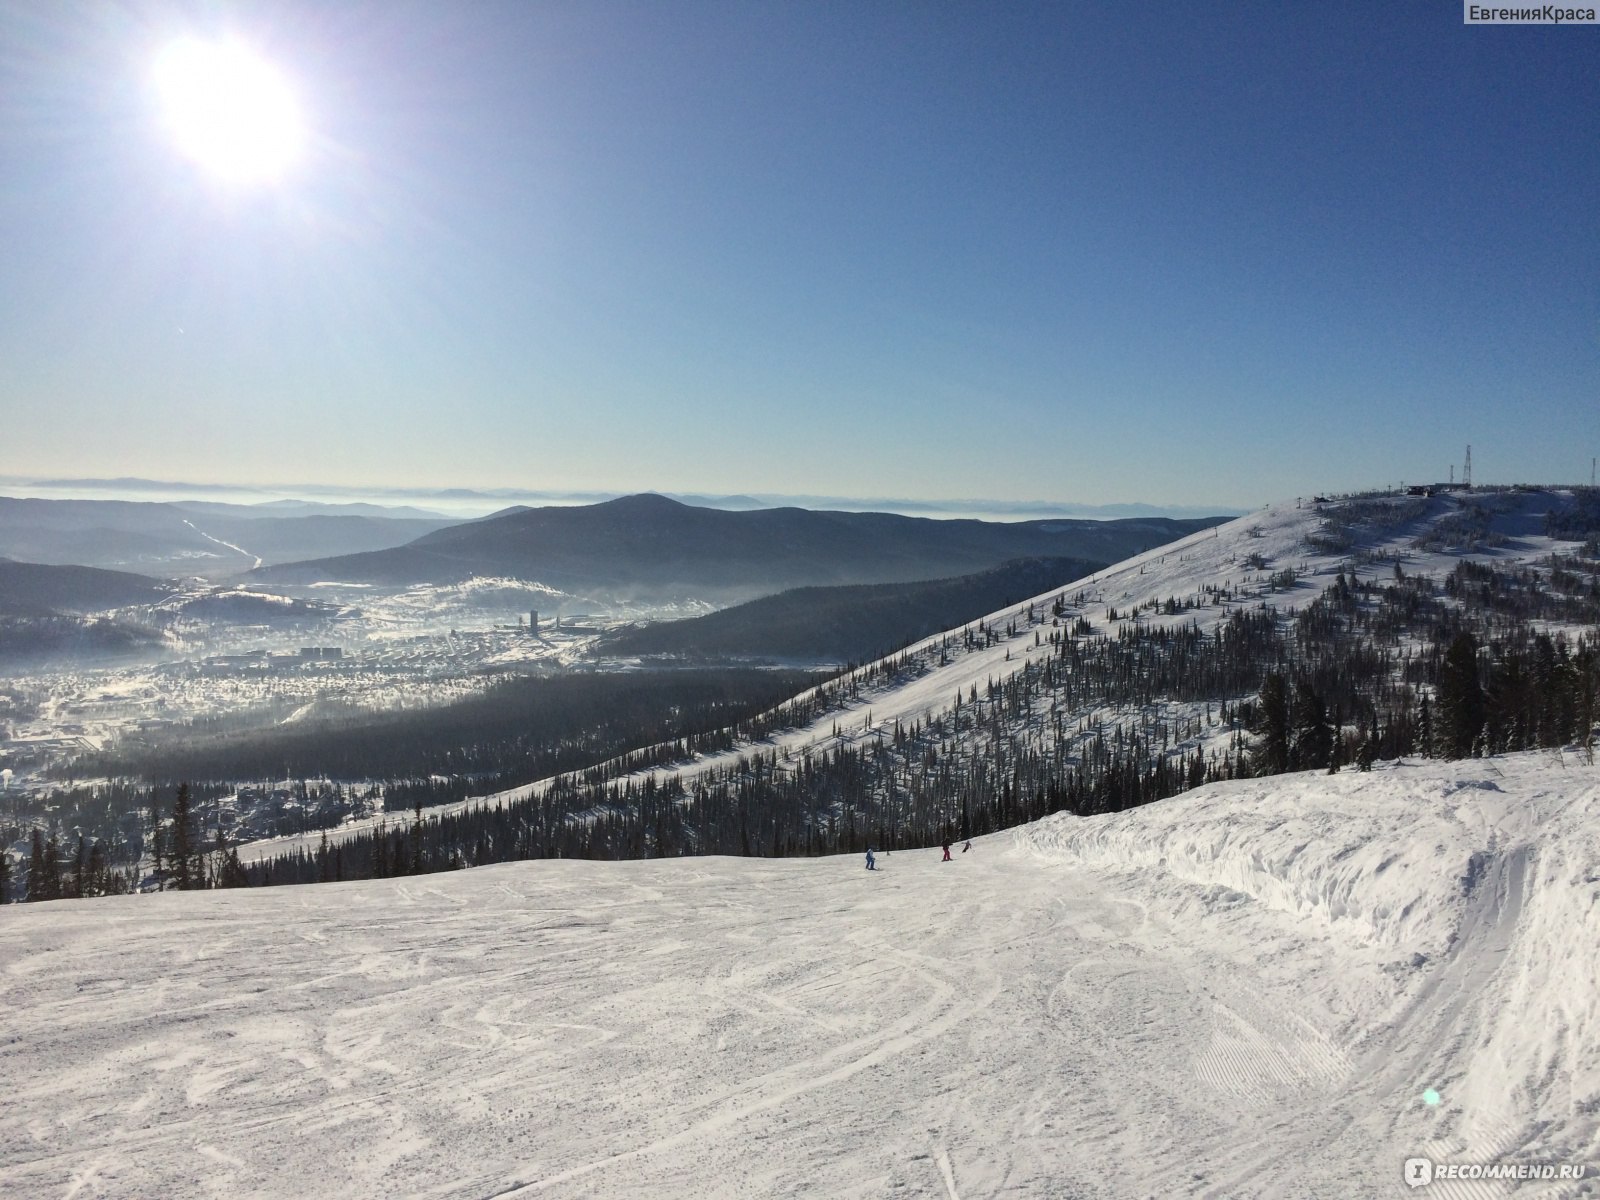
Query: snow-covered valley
[{"x": 1253, "y": 989}]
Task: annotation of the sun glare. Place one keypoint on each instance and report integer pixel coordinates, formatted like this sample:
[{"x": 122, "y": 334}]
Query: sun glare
[{"x": 229, "y": 110}]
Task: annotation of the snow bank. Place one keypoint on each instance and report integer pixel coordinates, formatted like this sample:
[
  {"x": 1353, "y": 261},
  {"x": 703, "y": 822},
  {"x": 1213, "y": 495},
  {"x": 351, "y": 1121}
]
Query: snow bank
[
  {"x": 1388, "y": 857},
  {"x": 1473, "y": 887}
]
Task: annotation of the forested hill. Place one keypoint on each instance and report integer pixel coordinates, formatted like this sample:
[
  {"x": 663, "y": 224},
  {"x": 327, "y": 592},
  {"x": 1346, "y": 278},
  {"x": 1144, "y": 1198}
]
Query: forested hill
[
  {"x": 1323, "y": 636},
  {"x": 651, "y": 544},
  {"x": 846, "y": 624},
  {"x": 31, "y": 589}
]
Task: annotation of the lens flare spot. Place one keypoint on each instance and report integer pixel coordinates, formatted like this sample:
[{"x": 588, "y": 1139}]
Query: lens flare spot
[{"x": 229, "y": 111}]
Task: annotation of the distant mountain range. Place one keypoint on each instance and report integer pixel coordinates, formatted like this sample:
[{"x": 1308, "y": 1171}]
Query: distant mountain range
[
  {"x": 467, "y": 502},
  {"x": 194, "y": 537},
  {"x": 309, "y": 508},
  {"x": 651, "y": 544}
]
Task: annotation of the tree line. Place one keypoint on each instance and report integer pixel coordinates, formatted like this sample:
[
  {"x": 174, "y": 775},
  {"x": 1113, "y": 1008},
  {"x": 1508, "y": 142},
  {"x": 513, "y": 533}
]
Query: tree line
[
  {"x": 1096, "y": 722},
  {"x": 517, "y": 731},
  {"x": 180, "y": 860}
]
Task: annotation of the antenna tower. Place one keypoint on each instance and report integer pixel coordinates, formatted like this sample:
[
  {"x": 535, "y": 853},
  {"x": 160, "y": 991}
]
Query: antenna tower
[{"x": 1466, "y": 474}]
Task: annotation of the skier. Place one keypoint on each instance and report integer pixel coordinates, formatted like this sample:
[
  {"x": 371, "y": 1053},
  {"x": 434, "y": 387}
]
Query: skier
[
  {"x": 946, "y": 857},
  {"x": 967, "y": 847},
  {"x": 871, "y": 862}
]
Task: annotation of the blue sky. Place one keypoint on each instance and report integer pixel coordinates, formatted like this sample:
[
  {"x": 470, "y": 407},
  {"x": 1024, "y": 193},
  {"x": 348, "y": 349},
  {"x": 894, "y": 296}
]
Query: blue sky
[{"x": 1172, "y": 253}]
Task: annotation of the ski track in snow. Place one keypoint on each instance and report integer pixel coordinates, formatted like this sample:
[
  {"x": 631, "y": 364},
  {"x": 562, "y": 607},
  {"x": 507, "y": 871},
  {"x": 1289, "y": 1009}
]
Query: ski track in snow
[{"x": 1141, "y": 1005}]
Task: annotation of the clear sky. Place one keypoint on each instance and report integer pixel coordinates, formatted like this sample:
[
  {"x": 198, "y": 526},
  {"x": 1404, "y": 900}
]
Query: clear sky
[{"x": 1168, "y": 252}]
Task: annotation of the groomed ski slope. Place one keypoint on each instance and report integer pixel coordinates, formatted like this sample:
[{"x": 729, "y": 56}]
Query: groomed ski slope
[{"x": 1242, "y": 991}]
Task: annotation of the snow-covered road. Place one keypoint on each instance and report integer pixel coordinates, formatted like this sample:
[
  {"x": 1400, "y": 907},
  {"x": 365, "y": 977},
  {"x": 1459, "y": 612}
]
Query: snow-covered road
[
  {"x": 1243, "y": 991},
  {"x": 256, "y": 559}
]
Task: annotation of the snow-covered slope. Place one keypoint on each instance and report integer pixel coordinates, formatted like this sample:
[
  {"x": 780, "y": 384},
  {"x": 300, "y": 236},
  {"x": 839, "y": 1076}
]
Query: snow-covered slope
[
  {"x": 1253, "y": 989},
  {"x": 1284, "y": 555}
]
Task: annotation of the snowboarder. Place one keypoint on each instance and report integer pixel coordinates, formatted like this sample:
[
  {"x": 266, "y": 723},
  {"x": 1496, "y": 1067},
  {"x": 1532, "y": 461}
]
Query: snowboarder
[
  {"x": 946, "y": 857},
  {"x": 967, "y": 847},
  {"x": 871, "y": 862}
]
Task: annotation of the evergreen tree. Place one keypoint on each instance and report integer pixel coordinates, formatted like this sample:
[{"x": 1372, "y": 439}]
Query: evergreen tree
[
  {"x": 38, "y": 888},
  {"x": 1461, "y": 705},
  {"x": 1367, "y": 751},
  {"x": 1272, "y": 727},
  {"x": 98, "y": 882},
  {"x": 1313, "y": 736},
  {"x": 182, "y": 854},
  {"x": 80, "y": 870},
  {"x": 52, "y": 869},
  {"x": 1588, "y": 702},
  {"x": 156, "y": 848},
  {"x": 416, "y": 841},
  {"x": 233, "y": 873},
  {"x": 226, "y": 870}
]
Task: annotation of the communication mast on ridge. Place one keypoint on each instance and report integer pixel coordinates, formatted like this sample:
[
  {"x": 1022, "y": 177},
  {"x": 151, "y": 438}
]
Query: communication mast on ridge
[{"x": 1466, "y": 473}]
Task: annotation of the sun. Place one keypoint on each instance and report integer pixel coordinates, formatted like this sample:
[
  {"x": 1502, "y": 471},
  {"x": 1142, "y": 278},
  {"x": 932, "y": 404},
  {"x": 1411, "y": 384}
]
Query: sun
[{"x": 229, "y": 110}]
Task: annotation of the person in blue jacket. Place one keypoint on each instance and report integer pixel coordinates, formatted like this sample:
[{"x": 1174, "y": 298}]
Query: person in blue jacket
[{"x": 871, "y": 862}]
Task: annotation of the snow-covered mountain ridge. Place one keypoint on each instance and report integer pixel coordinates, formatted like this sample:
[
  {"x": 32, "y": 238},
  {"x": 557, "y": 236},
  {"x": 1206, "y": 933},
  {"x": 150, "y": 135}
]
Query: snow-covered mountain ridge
[
  {"x": 1112, "y": 690},
  {"x": 1281, "y": 558}
]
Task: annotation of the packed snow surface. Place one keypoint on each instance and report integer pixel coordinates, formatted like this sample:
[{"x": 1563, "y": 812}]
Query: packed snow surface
[{"x": 1253, "y": 989}]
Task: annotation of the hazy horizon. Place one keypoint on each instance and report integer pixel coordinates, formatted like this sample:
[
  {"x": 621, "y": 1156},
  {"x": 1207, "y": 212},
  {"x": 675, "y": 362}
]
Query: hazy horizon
[{"x": 466, "y": 503}]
